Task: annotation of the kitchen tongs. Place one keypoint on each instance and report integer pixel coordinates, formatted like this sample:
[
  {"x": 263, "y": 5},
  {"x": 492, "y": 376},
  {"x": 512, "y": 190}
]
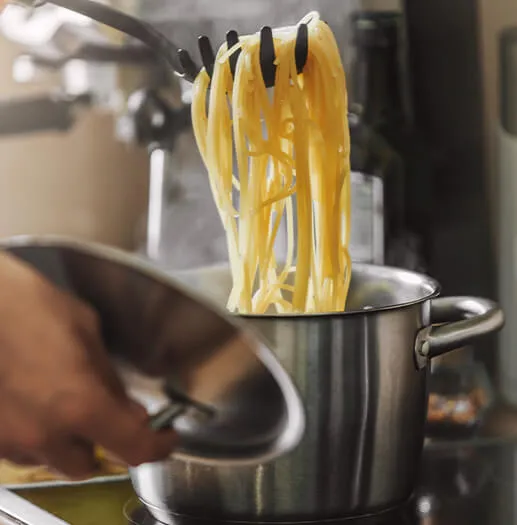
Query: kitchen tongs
[{"x": 180, "y": 59}]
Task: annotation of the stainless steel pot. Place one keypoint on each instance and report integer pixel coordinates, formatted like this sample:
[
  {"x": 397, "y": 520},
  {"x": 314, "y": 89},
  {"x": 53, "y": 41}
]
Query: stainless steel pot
[{"x": 362, "y": 376}]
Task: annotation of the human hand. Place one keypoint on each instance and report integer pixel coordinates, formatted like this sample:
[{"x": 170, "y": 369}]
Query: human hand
[{"x": 59, "y": 396}]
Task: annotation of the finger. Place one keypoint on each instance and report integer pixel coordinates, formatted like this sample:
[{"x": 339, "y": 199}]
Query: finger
[
  {"x": 21, "y": 459},
  {"x": 122, "y": 428},
  {"x": 90, "y": 333},
  {"x": 71, "y": 457},
  {"x": 140, "y": 413},
  {"x": 107, "y": 374}
]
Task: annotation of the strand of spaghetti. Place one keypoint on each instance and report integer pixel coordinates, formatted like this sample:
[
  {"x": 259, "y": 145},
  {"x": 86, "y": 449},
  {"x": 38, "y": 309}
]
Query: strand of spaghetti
[
  {"x": 199, "y": 113},
  {"x": 283, "y": 86},
  {"x": 218, "y": 142},
  {"x": 303, "y": 195},
  {"x": 267, "y": 148},
  {"x": 218, "y": 127},
  {"x": 327, "y": 247},
  {"x": 341, "y": 170},
  {"x": 269, "y": 287},
  {"x": 251, "y": 229},
  {"x": 239, "y": 99},
  {"x": 290, "y": 241},
  {"x": 273, "y": 233}
]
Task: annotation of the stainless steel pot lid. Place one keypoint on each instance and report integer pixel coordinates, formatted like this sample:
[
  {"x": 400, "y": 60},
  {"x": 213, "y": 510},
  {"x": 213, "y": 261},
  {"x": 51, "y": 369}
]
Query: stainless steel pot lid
[{"x": 231, "y": 400}]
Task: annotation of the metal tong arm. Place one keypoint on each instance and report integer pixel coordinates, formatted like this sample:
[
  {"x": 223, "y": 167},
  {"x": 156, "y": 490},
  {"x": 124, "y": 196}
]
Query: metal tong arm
[
  {"x": 178, "y": 404},
  {"x": 127, "y": 24},
  {"x": 179, "y": 59}
]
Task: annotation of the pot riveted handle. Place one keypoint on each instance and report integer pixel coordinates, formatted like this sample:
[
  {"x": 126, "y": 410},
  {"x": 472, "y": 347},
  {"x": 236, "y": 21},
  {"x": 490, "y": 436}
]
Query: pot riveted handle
[
  {"x": 464, "y": 318},
  {"x": 178, "y": 405},
  {"x": 165, "y": 418}
]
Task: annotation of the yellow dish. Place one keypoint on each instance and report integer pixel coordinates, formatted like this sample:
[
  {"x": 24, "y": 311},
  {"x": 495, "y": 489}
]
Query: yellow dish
[
  {"x": 12, "y": 475},
  {"x": 91, "y": 503},
  {"x": 100, "y": 499}
]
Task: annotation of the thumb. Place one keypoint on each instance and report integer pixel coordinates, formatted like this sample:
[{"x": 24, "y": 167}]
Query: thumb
[{"x": 122, "y": 427}]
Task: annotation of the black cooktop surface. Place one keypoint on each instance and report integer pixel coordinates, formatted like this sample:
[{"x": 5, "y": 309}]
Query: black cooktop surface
[{"x": 468, "y": 484}]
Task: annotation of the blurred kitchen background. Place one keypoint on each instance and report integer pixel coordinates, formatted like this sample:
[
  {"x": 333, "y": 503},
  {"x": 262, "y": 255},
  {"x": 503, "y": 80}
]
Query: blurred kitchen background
[{"x": 95, "y": 139}]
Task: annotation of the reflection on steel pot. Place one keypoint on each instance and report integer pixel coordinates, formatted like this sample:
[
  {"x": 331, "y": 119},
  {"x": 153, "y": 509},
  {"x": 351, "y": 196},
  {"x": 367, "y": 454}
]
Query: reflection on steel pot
[{"x": 362, "y": 376}]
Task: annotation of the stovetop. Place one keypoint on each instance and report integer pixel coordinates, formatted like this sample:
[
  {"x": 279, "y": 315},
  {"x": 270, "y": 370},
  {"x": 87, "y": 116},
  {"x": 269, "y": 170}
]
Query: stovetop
[
  {"x": 471, "y": 484},
  {"x": 401, "y": 517}
]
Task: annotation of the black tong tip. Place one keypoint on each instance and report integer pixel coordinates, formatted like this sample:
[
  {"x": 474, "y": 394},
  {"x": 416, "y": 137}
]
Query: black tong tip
[
  {"x": 207, "y": 54},
  {"x": 268, "y": 57},
  {"x": 267, "y": 54},
  {"x": 232, "y": 39},
  {"x": 301, "y": 49},
  {"x": 190, "y": 68}
]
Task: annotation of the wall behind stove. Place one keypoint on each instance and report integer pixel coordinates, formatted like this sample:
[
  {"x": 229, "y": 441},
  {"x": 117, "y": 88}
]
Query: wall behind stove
[{"x": 80, "y": 183}]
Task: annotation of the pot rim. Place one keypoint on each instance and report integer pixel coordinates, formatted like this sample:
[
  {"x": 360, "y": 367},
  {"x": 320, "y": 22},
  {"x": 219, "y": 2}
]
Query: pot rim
[
  {"x": 435, "y": 292},
  {"x": 432, "y": 285}
]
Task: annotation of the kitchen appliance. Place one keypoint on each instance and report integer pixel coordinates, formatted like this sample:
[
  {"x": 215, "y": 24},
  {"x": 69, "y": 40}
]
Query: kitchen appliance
[{"x": 361, "y": 376}]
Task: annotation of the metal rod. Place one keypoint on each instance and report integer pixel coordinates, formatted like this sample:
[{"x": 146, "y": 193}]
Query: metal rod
[
  {"x": 165, "y": 417},
  {"x": 157, "y": 193}
]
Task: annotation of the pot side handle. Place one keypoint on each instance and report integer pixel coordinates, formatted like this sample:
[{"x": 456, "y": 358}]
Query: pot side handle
[{"x": 464, "y": 318}]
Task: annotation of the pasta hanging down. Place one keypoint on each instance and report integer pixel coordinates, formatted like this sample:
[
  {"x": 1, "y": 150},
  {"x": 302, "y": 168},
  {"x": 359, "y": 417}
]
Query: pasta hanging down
[{"x": 280, "y": 156}]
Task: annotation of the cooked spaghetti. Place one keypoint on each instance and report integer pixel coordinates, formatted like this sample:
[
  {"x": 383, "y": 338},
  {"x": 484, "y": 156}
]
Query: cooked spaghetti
[{"x": 276, "y": 157}]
